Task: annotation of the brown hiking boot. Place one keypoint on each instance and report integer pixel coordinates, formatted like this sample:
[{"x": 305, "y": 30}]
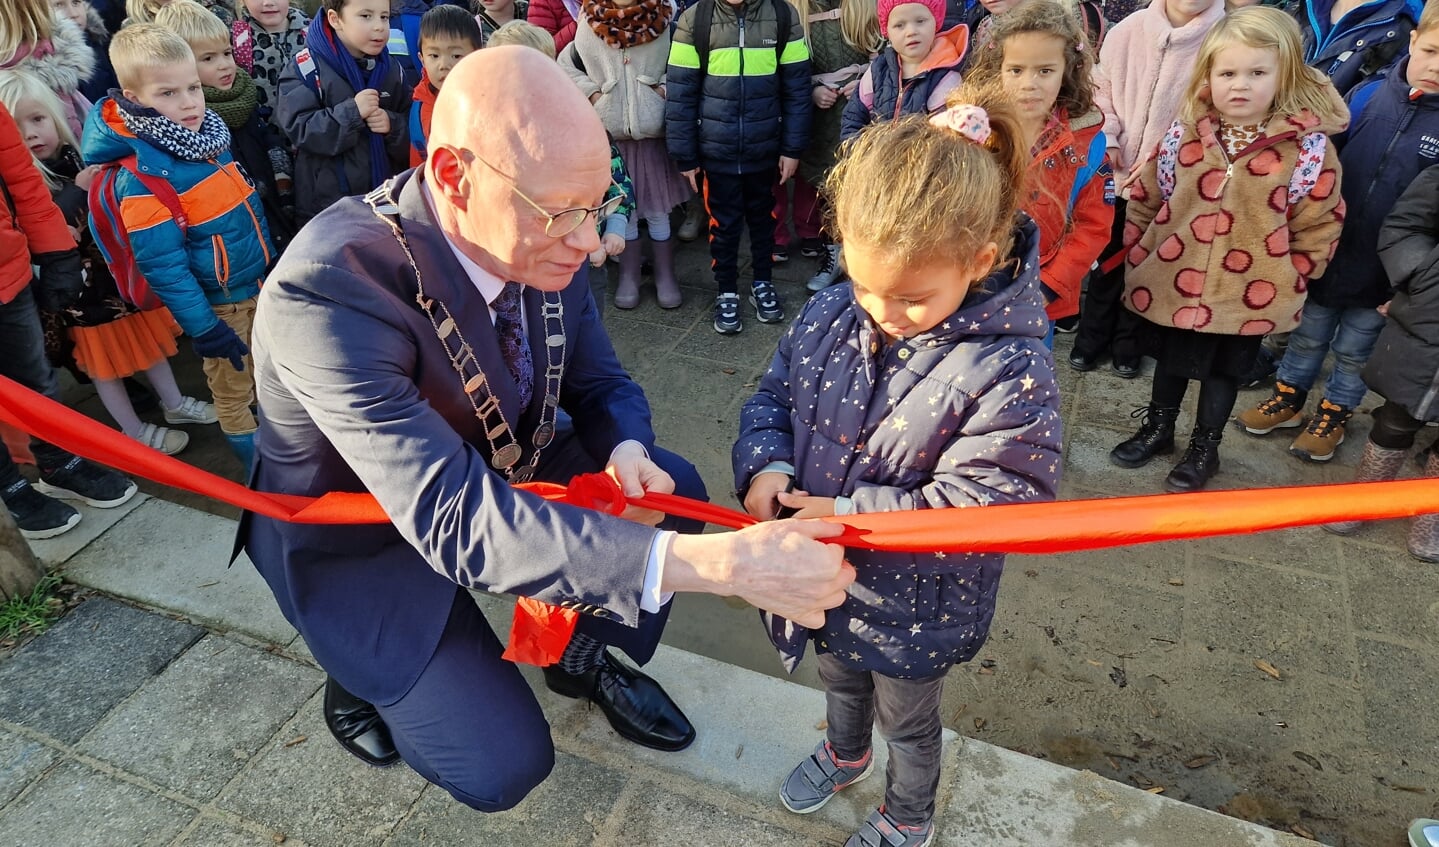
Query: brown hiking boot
[
  {"x": 1324, "y": 433},
  {"x": 1281, "y": 410}
]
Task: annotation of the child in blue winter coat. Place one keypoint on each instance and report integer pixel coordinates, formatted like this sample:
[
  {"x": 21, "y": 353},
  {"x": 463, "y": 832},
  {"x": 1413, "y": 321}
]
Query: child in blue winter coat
[
  {"x": 925, "y": 383},
  {"x": 915, "y": 71},
  {"x": 208, "y": 272}
]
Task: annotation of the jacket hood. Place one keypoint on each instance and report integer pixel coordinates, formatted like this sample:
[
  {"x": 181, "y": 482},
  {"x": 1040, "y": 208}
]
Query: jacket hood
[
  {"x": 424, "y": 91},
  {"x": 106, "y": 138},
  {"x": 68, "y": 66},
  {"x": 1396, "y": 77},
  {"x": 1091, "y": 118},
  {"x": 1156, "y": 23},
  {"x": 1007, "y": 302},
  {"x": 948, "y": 50}
]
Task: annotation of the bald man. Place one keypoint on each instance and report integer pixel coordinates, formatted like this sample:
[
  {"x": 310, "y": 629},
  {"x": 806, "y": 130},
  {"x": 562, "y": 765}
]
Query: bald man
[{"x": 430, "y": 344}]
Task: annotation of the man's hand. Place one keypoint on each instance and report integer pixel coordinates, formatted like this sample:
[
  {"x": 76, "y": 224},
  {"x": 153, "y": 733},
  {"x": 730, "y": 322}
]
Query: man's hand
[
  {"x": 693, "y": 176},
  {"x": 787, "y": 167},
  {"x": 368, "y": 102},
  {"x": 823, "y": 96},
  {"x": 760, "y": 501},
  {"x": 778, "y": 566},
  {"x": 806, "y": 506},
  {"x": 379, "y": 122},
  {"x": 637, "y": 473}
]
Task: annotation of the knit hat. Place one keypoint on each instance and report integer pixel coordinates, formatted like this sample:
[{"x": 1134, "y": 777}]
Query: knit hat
[{"x": 935, "y": 7}]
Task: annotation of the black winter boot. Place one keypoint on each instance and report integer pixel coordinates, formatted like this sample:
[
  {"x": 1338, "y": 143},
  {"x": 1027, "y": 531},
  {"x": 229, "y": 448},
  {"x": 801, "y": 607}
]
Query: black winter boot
[
  {"x": 1155, "y": 437},
  {"x": 1200, "y": 462}
]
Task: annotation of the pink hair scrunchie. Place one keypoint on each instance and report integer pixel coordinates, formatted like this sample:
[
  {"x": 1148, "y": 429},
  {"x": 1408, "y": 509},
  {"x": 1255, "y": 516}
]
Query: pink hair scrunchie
[{"x": 970, "y": 121}]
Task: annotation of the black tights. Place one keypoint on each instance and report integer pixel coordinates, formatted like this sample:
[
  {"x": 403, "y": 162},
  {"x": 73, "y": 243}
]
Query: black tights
[
  {"x": 1394, "y": 428},
  {"x": 1216, "y": 396}
]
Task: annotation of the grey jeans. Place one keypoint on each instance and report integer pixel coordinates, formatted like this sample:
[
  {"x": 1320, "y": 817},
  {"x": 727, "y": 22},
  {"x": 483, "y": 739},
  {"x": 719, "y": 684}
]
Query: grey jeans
[{"x": 908, "y": 714}]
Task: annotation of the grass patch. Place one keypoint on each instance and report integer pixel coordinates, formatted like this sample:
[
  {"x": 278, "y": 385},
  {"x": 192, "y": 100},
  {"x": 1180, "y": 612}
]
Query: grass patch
[{"x": 32, "y": 614}]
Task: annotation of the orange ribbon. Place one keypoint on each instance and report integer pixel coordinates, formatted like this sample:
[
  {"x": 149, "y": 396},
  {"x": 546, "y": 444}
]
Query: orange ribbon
[{"x": 1051, "y": 527}]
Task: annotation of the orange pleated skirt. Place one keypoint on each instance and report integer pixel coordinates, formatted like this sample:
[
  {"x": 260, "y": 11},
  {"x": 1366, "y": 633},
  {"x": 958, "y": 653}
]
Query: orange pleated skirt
[{"x": 123, "y": 347}]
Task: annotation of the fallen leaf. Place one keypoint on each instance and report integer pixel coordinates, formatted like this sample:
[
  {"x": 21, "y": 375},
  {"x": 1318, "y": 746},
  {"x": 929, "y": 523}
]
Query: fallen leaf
[
  {"x": 1031, "y": 573},
  {"x": 299, "y": 739},
  {"x": 985, "y": 671},
  {"x": 979, "y": 723},
  {"x": 729, "y": 371},
  {"x": 1096, "y": 664},
  {"x": 1302, "y": 832},
  {"x": 1199, "y": 762},
  {"x": 1118, "y": 676},
  {"x": 1175, "y": 581},
  {"x": 208, "y": 584},
  {"x": 279, "y": 838},
  {"x": 823, "y": 724},
  {"x": 1308, "y": 760},
  {"x": 1158, "y": 789},
  {"x": 739, "y": 751},
  {"x": 1412, "y": 789},
  {"x": 1267, "y": 668}
]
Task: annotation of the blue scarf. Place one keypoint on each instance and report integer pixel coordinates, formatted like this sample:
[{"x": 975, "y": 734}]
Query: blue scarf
[{"x": 323, "y": 44}]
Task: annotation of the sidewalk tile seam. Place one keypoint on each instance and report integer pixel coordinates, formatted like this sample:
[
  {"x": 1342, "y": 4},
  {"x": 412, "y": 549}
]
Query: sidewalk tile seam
[
  {"x": 1394, "y": 641},
  {"x": 399, "y": 825},
  {"x": 1338, "y": 579},
  {"x": 613, "y": 825}
]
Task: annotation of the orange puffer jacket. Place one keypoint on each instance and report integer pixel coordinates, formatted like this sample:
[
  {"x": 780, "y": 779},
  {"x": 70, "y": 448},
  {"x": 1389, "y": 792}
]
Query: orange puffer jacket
[{"x": 30, "y": 222}]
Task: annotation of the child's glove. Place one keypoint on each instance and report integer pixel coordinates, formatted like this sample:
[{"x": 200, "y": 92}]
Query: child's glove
[
  {"x": 62, "y": 279},
  {"x": 221, "y": 342}
]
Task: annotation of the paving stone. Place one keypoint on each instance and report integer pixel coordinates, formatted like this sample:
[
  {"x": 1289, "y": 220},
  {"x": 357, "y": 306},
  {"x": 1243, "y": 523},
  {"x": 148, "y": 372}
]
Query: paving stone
[
  {"x": 63, "y": 682},
  {"x": 317, "y": 792},
  {"x": 1086, "y": 462},
  {"x": 700, "y": 388},
  {"x": 1300, "y": 625},
  {"x": 188, "y": 573},
  {"x": 194, "y": 726},
  {"x": 56, "y": 551},
  {"x": 751, "y": 350},
  {"x": 569, "y": 809},
  {"x": 21, "y": 760},
  {"x": 660, "y": 818},
  {"x": 213, "y": 833},
  {"x": 1392, "y": 594},
  {"x": 75, "y": 806},
  {"x": 1398, "y": 700},
  {"x": 1305, "y": 548}
]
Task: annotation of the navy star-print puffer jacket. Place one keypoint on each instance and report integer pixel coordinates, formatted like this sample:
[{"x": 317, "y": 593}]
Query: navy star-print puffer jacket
[{"x": 966, "y": 414}]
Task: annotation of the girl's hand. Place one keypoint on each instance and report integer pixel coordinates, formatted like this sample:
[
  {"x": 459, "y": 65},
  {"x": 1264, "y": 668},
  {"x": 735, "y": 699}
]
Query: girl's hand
[
  {"x": 693, "y": 177},
  {"x": 85, "y": 177},
  {"x": 850, "y": 87},
  {"x": 613, "y": 244},
  {"x": 760, "y": 501},
  {"x": 660, "y": 90},
  {"x": 1383, "y": 308},
  {"x": 597, "y": 258},
  {"x": 594, "y": 97},
  {"x": 823, "y": 96},
  {"x": 806, "y": 506}
]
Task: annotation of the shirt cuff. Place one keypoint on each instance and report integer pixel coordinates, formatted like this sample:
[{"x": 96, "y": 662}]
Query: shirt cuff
[
  {"x": 616, "y": 225},
  {"x": 777, "y": 467},
  {"x": 652, "y": 599},
  {"x": 843, "y": 506}
]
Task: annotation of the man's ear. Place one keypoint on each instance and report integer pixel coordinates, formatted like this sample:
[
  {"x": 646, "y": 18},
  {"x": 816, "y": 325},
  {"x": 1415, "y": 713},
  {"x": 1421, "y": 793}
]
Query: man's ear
[{"x": 448, "y": 178}]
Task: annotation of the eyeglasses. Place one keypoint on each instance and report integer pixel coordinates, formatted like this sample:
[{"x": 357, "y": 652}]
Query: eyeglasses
[{"x": 559, "y": 224}]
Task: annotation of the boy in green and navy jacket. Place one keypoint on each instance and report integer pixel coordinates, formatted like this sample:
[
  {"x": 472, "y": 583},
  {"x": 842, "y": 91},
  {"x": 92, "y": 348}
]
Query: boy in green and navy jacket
[{"x": 737, "y": 108}]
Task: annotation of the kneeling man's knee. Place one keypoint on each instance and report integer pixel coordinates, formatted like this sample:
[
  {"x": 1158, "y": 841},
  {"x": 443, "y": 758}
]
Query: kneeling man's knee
[{"x": 496, "y": 786}]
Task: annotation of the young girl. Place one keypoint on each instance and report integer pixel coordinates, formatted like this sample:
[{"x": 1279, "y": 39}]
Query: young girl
[
  {"x": 618, "y": 59},
  {"x": 927, "y": 385},
  {"x": 1143, "y": 68},
  {"x": 1042, "y": 59},
  {"x": 34, "y": 38},
  {"x": 269, "y": 34},
  {"x": 843, "y": 38},
  {"x": 1239, "y": 209},
  {"x": 142, "y": 11},
  {"x": 914, "y": 72},
  {"x": 97, "y": 38},
  {"x": 493, "y": 14},
  {"x": 112, "y": 340}
]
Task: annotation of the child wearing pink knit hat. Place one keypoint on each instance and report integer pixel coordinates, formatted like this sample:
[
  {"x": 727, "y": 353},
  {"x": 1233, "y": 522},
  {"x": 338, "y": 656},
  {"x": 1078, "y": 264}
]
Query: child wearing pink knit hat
[{"x": 915, "y": 71}]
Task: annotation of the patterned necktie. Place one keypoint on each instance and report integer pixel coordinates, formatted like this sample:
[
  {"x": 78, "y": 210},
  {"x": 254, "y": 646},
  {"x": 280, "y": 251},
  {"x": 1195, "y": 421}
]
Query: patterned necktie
[{"x": 513, "y": 346}]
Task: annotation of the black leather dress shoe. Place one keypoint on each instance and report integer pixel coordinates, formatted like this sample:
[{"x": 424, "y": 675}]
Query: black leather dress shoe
[
  {"x": 1127, "y": 368},
  {"x": 636, "y": 706},
  {"x": 1082, "y": 362},
  {"x": 358, "y": 727}
]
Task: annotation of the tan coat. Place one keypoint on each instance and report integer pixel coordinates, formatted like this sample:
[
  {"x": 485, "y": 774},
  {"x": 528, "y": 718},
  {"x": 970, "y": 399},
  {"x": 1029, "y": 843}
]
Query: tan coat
[{"x": 1228, "y": 252}]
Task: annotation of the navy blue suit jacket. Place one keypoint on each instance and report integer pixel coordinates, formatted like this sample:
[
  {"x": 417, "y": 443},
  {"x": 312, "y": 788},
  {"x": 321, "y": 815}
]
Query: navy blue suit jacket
[{"x": 357, "y": 394}]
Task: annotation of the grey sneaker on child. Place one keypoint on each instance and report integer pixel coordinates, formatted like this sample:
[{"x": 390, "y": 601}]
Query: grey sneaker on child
[
  {"x": 818, "y": 778},
  {"x": 192, "y": 411},
  {"x": 767, "y": 307},
  {"x": 880, "y": 830}
]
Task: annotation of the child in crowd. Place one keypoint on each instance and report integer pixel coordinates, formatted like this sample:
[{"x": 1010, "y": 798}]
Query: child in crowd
[
  {"x": 927, "y": 386},
  {"x": 209, "y": 273},
  {"x": 493, "y": 14},
  {"x": 1228, "y": 223},
  {"x": 1351, "y": 40},
  {"x": 737, "y": 129},
  {"x": 618, "y": 59},
  {"x": 523, "y": 34},
  {"x": 33, "y": 233},
  {"x": 231, "y": 94},
  {"x": 112, "y": 339},
  {"x": 52, "y": 47},
  {"x": 1041, "y": 57},
  {"x": 1088, "y": 13},
  {"x": 616, "y": 223},
  {"x": 1144, "y": 66},
  {"x": 1405, "y": 364},
  {"x": 1394, "y": 123},
  {"x": 447, "y": 35},
  {"x": 269, "y": 34},
  {"x": 344, "y": 106},
  {"x": 560, "y": 18},
  {"x": 914, "y": 72},
  {"x": 97, "y": 38},
  {"x": 843, "y": 37},
  {"x": 141, "y": 11}
]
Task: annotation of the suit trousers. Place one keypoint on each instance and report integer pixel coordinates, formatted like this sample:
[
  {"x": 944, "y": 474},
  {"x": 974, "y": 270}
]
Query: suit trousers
[{"x": 470, "y": 724}]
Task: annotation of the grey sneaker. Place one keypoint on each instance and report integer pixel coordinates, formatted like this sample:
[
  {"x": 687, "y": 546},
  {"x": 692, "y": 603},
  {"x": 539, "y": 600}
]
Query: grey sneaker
[
  {"x": 829, "y": 271},
  {"x": 880, "y": 830},
  {"x": 727, "y": 320},
  {"x": 192, "y": 411},
  {"x": 767, "y": 307},
  {"x": 818, "y": 778}
]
